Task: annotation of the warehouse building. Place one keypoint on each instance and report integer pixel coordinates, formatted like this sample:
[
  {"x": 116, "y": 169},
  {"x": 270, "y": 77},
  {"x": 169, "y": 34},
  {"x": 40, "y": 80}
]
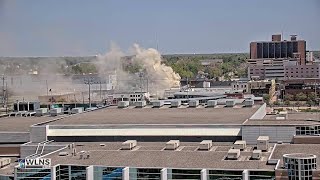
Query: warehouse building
[{"x": 213, "y": 141}]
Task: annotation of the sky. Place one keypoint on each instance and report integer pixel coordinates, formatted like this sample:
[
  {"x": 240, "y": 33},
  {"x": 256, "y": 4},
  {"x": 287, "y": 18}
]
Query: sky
[{"x": 89, "y": 27}]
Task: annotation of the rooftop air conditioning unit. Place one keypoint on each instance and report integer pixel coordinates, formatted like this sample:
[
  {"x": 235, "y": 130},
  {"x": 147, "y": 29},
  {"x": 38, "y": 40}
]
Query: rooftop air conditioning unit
[
  {"x": 4, "y": 162},
  {"x": 77, "y": 110},
  {"x": 56, "y": 111},
  {"x": 256, "y": 154},
  {"x": 205, "y": 145},
  {"x": 283, "y": 114},
  {"x": 140, "y": 104},
  {"x": 175, "y": 104},
  {"x": 193, "y": 103},
  {"x": 233, "y": 154},
  {"x": 212, "y": 103},
  {"x": 123, "y": 104},
  {"x": 129, "y": 144},
  {"x": 157, "y": 104},
  {"x": 240, "y": 145},
  {"x": 230, "y": 103},
  {"x": 41, "y": 111},
  {"x": 249, "y": 102},
  {"x": 263, "y": 143},
  {"x": 172, "y": 144}
]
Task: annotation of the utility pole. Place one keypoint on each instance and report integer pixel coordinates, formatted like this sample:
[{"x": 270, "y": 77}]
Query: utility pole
[
  {"x": 188, "y": 89},
  {"x": 3, "y": 91},
  {"x": 47, "y": 92},
  {"x": 100, "y": 90},
  {"x": 6, "y": 98},
  {"x": 140, "y": 76},
  {"x": 89, "y": 82},
  {"x": 147, "y": 85}
]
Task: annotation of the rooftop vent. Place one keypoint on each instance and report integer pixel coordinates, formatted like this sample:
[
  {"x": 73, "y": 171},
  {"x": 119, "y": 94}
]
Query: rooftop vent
[
  {"x": 123, "y": 104},
  {"x": 172, "y": 144},
  {"x": 140, "y": 104},
  {"x": 256, "y": 154},
  {"x": 230, "y": 103},
  {"x": 212, "y": 103},
  {"x": 175, "y": 104},
  {"x": 56, "y": 111},
  {"x": 41, "y": 111},
  {"x": 157, "y": 104},
  {"x": 193, "y": 103},
  {"x": 4, "y": 162},
  {"x": 205, "y": 145},
  {"x": 63, "y": 153},
  {"x": 77, "y": 110},
  {"x": 249, "y": 103},
  {"x": 233, "y": 154},
  {"x": 129, "y": 144},
  {"x": 263, "y": 143},
  {"x": 102, "y": 145},
  {"x": 74, "y": 152},
  {"x": 240, "y": 145}
]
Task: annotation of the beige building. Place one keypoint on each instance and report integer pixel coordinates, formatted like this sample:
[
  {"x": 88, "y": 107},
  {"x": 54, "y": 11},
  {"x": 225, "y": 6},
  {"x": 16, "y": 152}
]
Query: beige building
[{"x": 260, "y": 88}]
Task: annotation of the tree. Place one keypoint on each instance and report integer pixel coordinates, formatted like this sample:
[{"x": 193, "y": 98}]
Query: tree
[
  {"x": 289, "y": 97},
  {"x": 312, "y": 96},
  {"x": 266, "y": 98},
  {"x": 276, "y": 103},
  {"x": 301, "y": 97},
  {"x": 287, "y": 102},
  {"x": 310, "y": 103}
]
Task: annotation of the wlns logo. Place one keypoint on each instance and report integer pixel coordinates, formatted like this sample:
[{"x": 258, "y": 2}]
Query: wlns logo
[{"x": 35, "y": 163}]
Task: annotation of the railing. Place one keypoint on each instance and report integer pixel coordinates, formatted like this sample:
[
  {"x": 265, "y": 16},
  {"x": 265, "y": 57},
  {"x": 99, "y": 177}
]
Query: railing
[{"x": 36, "y": 154}]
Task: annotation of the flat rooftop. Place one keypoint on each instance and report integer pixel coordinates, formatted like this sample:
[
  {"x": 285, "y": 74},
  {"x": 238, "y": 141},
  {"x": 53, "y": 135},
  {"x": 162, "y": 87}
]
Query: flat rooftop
[
  {"x": 273, "y": 122},
  {"x": 282, "y": 149},
  {"x": 154, "y": 155},
  {"x": 298, "y": 116},
  {"x": 294, "y": 119},
  {"x": 164, "y": 115},
  {"x": 20, "y": 124}
]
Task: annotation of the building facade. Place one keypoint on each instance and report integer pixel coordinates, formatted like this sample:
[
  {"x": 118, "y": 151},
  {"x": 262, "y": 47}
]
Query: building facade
[{"x": 279, "y": 49}]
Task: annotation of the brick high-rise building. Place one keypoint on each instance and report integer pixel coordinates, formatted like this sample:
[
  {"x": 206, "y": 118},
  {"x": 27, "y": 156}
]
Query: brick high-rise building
[{"x": 278, "y": 48}]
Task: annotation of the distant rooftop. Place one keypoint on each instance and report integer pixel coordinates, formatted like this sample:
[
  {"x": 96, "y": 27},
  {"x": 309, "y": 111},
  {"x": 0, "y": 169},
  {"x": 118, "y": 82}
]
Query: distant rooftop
[{"x": 164, "y": 115}]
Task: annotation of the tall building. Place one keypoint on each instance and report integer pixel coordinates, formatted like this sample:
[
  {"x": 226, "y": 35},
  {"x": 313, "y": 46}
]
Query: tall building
[
  {"x": 281, "y": 59},
  {"x": 278, "y": 48}
]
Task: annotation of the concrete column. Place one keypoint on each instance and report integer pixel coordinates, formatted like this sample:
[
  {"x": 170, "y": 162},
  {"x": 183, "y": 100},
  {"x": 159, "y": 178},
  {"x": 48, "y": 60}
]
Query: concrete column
[
  {"x": 125, "y": 173},
  {"x": 164, "y": 174},
  {"x": 169, "y": 173},
  {"x": 53, "y": 172},
  {"x": 90, "y": 174},
  {"x": 245, "y": 175},
  {"x": 28, "y": 106},
  {"x": 204, "y": 174},
  {"x": 15, "y": 172},
  {"x": 69, "y": 172}
]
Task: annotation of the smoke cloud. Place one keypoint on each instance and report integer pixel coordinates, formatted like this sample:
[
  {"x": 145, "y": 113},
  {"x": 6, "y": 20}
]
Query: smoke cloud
[
  {"x": 33, "y": 76},
  {"x": 156, "y": 77}
]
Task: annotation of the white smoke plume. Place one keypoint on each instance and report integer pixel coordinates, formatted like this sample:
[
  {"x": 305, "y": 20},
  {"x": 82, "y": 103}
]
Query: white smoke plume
[
  {"x": 156, "y": 75},
  {"x": 161, "y": 76}
]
